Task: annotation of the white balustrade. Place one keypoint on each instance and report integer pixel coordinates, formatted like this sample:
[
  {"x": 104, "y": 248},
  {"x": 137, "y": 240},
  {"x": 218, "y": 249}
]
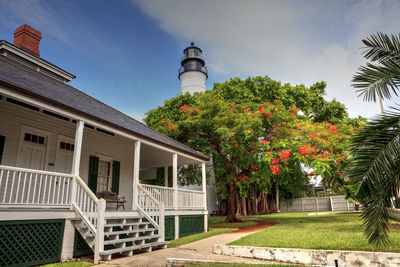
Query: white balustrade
[
  {"x": 91, "y": 211},
  {"x": 34, "y": 188},
  {"x": 190, "y": 199},
  {"x": 187, "y": 199},
  {"x": 152, "y": 209},
  {"x": 161, "y": 194},
  {"x": 85, "y": 204}
]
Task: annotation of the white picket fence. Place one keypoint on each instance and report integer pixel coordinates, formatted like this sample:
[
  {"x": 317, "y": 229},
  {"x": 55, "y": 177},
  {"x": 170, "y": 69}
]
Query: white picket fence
[{"x": 331, "y": 203}]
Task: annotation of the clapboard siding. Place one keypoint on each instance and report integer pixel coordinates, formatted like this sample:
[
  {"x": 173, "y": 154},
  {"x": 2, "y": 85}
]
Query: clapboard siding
[
  {"x": 114, "y": 148},
  {"x": 13, "y": 117}
]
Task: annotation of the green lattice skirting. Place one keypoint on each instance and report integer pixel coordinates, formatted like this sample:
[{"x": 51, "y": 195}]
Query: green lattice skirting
[
  {"x": 190, "y": 224},
  {"x": 169, "y": 227},
  {"x": 81, "y": 248},
  {"x": 28, "y": 243}
]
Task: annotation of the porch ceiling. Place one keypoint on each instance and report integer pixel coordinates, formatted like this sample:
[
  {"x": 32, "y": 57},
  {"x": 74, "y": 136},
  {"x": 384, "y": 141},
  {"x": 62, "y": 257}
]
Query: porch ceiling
[{"x": 151, "y": 157}]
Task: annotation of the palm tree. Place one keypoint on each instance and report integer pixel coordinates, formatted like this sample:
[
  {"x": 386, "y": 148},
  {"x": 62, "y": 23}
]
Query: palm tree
[{"x": 376, "y": 149}]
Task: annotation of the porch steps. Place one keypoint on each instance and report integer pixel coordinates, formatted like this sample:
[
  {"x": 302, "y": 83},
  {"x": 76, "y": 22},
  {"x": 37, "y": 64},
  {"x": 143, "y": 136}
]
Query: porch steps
[
  {"x": 108, "y": 242},
  {"x": 123, "y": 235},
  {"x": 143, "y": 230},
  {"x": 126, "y": 224},
  {"x": 148, "y": 246}
]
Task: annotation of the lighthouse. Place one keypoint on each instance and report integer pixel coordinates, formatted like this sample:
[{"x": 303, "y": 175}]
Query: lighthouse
[{"x": 193, "y": 70}]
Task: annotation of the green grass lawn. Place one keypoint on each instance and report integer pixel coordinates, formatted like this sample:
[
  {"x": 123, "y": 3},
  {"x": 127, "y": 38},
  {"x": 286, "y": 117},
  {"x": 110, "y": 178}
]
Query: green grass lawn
[
  {"x": 195, "y": 237},
  {"x": 299, "y": 230},
  {"x": 218, "y": 221},
  {"x": 70, "y": 264}
]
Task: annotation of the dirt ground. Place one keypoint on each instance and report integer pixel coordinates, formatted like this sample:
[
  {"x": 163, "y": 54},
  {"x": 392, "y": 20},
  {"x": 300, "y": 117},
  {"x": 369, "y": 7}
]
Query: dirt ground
[{"x": 261, "y": 225}]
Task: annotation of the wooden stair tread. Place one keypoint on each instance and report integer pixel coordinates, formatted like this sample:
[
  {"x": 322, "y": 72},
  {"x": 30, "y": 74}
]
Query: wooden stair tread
[
  {"x": 131, "y": 239},
  {"x": 119, "y": 250},
  {"x": 125, "y": 224},
  {"x": 129, "y": 231}
]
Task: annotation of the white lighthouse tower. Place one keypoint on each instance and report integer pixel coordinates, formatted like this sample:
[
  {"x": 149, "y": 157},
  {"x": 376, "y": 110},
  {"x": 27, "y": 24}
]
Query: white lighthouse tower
[{"x": 193, "y": 72}]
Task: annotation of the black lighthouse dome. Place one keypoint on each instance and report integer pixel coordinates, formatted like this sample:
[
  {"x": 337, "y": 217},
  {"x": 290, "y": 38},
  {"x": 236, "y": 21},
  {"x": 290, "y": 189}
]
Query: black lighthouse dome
[{"x": 192, "y": 60}]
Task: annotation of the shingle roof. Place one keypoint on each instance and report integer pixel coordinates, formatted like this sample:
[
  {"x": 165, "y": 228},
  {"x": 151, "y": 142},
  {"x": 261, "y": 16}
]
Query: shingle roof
[{"x": 34, "y": 83}]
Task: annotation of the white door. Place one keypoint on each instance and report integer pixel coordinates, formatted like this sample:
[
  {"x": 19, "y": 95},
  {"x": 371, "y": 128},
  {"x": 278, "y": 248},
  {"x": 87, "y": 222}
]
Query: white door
[
  {"x": 32, "y": 150},
  {"x": 65, "y": 153}
]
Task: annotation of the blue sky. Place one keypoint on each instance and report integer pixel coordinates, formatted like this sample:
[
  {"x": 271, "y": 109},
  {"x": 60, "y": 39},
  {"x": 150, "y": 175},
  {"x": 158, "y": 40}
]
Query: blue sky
[{"x": 127, "y": 53}]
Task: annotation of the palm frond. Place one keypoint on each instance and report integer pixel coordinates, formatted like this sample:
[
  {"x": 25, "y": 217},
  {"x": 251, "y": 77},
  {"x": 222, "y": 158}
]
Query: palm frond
[
  {"x": 376, "y": 168},
  {"x": 378, "y": 80},
  {"x": 380, "y": 46}
]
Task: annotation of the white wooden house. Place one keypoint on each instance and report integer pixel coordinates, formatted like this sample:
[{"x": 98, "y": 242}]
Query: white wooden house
[{"x": 59, "y": 147}]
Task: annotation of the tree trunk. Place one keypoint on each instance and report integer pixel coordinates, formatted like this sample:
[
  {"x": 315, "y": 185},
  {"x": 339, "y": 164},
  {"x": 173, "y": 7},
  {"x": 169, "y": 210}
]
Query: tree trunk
[
  {"x": 267, "y": 209},
  {"x": 249, "y": 210},
  {"x": 277, "y": 197},
  {"x": 238, "y": 206},
  {"x": 230, "y": 205},
  {"x": 255, "y": 200},
  {"x": 243, "y": 204}
]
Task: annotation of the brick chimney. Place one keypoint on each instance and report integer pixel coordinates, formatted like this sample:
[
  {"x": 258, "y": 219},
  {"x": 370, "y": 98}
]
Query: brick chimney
[{"x": 28, "y": 39}]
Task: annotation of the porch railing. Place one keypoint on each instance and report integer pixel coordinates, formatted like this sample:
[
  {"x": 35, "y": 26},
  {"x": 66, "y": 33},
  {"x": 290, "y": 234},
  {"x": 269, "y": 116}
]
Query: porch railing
[
  {"x": 152, "y": 209},
  {"x": 187, "y": 199},
  {"x": 85, "y": 203},
  {"x": 34, "y": 188},
  {"x": 190, "y": 199},
  {"x": 161, "y": 194},
  {"x": 91, "y": 211}
]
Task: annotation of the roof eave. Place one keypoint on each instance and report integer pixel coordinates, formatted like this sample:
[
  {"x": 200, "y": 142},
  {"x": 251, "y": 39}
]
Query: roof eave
[{"x": 79, "y": 112}]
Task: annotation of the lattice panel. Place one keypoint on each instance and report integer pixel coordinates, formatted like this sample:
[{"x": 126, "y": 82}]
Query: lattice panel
[
  {"x": 28, "y": 243},
  {"x": 81, "y": 248},
  {"x": 169, "y": 227},
  {"x": 190, "y": 224}
]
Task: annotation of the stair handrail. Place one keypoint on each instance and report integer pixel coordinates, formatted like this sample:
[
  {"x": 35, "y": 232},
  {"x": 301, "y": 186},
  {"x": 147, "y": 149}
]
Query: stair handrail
[
  {"x": 91, "y": 210},
  {"x": 150, "y": 211},
  {"x": 85, "y": 203}
]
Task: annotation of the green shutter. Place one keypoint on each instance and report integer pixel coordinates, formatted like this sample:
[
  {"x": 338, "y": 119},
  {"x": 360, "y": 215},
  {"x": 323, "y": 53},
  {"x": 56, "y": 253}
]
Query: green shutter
[
  {"x": 115, "y": 177},
  {"x": 2, "y": 141},
  {"x": 93, "y": 171}
]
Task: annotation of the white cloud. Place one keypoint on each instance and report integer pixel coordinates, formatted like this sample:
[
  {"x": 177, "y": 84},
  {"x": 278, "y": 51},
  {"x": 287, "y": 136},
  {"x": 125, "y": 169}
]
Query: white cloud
[{"x": 292, "y": 41}]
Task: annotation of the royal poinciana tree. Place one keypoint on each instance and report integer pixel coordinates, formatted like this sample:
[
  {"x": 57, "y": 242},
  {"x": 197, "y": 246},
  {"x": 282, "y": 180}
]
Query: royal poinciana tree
[{"x": 258, "y": 145}]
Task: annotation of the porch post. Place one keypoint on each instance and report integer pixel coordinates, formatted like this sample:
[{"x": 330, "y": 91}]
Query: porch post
[
  {"x": 136, "y": 166},
  {"x": 204, "y": 184},
  {"x": 76, "y": 160},
  {"x": 175, "y": 179},
  {"x": 166, "y": 176},
  {"x": 78, "y": 148},
  {"x": 99, "y": 238}
]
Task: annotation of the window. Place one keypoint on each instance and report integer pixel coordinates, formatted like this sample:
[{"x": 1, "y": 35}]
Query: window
[
  {"x": 103, "y": 178},
  {"x": 67, "y": 146},
  {"x": 34, "y": 138}
]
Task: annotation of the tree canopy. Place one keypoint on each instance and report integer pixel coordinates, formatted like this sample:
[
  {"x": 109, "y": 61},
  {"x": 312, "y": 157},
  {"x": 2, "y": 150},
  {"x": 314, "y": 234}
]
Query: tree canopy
[
  {"x": 376, "y": 165},
  {"x": 257, "y": 139}
]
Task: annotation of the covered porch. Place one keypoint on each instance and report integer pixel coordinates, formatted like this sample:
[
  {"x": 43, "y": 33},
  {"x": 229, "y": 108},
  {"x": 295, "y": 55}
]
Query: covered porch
[
  {"x": 54, "y": 161},
  {"x": 43, "y": 148}
]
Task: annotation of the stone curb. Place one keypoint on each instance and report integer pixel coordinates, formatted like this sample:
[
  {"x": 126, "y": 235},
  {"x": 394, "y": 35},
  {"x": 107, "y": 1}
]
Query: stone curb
[
  {"x": 312, "y": 256},
  {"x": 178, "y": 262}
]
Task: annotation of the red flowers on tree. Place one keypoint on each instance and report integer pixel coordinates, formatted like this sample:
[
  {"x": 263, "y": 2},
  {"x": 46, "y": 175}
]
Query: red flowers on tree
[
  {"x": 306, "y": 149},
  {"x": 275, "y": 169}
]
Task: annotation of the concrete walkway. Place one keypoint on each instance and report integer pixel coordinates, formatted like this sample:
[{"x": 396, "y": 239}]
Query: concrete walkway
[{"x": 201, "y": 249}]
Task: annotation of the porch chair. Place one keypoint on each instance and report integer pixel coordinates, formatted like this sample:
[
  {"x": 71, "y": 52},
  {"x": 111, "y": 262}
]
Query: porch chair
[{"x": 112, "y": 197}]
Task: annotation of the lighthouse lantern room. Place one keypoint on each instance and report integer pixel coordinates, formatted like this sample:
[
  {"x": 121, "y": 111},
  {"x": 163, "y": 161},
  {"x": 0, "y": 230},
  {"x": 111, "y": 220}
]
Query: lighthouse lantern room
[{"x": 193, "y": 72}]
